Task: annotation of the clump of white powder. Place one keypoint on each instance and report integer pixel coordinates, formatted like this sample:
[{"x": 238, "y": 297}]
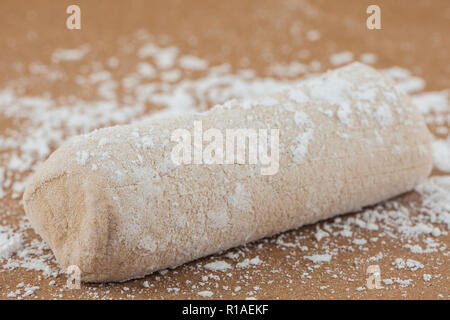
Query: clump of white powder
[
  {"x": 10, "y": 242},
  {"x": 217, "y": 266},
  {"x": 319, "y": 258},
  {"x": 341, "y": 58},
  {"x": 249, "y": 262},
  {"x": 70, "y": 54},
  {"x": 205, "y": 294}
]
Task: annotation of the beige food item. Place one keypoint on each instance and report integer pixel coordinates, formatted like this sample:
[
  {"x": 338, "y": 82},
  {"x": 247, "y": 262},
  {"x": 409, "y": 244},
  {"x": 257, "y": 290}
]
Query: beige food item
[{"x": 115, "y": 204}]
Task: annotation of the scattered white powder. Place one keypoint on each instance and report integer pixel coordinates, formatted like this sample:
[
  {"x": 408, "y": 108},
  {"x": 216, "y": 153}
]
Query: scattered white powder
[
  {"x": 400, "y": 282},
  {"x": 412, "y": 85},
  {"x": 313, "y": 35},
  {"x": 113, "y": 62},
  {"x": 368, "y": 58},
  {"x": 403, "y": 283},
  {"x": 293, "y": 69},
  {"x": 442, "y": 130},
  {"x": 16, "y": 251},
  {"x": 29, "y": 291},
  {"x": 146, "y": 70},
  {"x": 398, "y": 73},
  {"x": 341, "y": 58},
  {"x": 10, "y": 242},
  {"x": 193, "y": 63},
  {"x": 217, "y": 266},
  {"x": 249, "y": 262},
  {"x": 427, "y": 277},
  {"x": 171, "y": 76},
  {"x": 205, "y": 293},
  {"x": 70, "y": 54},
  {"x": 320, "y": 234},
  {"x": 413, "y": 265},
  {"x": 164, "y": 57},
  {"x": 50, "y": 121},
  {"x": 33, "y": 257},
  {"x": 343, "y": 113},
  {"x": 359, "y": 241},
  {"x": 441, "y": 154},
  {"x": 435, "y": 193},
  {"x": 405, "y": 82},
  {"x": 432, "y": 102},
  {"x": 319, "y": 258}
]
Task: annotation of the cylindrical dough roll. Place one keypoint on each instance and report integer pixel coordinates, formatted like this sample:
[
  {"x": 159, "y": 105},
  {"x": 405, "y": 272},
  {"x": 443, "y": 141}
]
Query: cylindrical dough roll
[{"x": 114, "y": 203}]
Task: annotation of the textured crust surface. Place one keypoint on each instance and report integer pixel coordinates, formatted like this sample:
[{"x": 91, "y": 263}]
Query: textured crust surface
[{"x": 113, "y": 203}]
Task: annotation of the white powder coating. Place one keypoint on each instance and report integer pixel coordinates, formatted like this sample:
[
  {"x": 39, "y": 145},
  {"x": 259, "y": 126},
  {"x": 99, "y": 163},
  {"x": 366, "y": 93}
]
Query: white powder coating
[
  {"x": 268, "y": 102},
  {"x": 384, "y": 115},
  {"x": 218, "y": 218},
  {"x": 144, "y": 197},
  {"x": 82, "y": 157},
  {"x": 300, "y": 149},
  {"x": 298, "y": 96}
]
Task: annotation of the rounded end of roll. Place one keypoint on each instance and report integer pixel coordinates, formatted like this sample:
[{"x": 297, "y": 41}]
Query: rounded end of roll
[{"x": 67, "y": 207}]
